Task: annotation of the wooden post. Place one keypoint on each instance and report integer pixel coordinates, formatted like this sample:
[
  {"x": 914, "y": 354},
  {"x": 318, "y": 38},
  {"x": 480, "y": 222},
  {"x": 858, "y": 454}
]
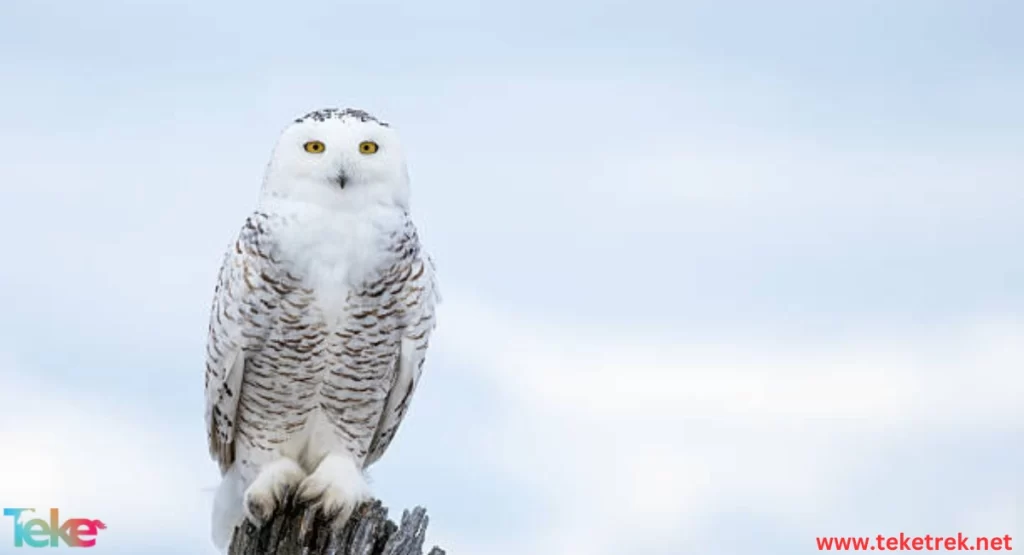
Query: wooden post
[{"x": 295, "y": 531}]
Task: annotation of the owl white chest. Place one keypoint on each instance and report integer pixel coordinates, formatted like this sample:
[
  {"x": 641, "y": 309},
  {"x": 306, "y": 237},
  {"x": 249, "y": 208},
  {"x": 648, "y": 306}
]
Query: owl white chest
[{"x": 333, "y": 252}]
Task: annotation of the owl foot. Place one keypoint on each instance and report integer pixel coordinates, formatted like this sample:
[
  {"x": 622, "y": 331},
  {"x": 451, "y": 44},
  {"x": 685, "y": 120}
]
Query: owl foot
[
  {"x": 335, "y": 489},
  {"x": 271, "y": 488}
]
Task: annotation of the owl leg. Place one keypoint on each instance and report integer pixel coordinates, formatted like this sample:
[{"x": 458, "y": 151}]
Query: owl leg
[
  {"x": 275, "y": 481},
  {"x": 336, "y": 487}
]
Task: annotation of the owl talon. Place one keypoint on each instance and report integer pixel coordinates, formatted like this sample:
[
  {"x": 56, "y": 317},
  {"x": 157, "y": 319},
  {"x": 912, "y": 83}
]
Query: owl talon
[
  {"x": 259, "y": 509},
  {"x": 270, "y": 489},
  {"x": 335, "y": 489}
]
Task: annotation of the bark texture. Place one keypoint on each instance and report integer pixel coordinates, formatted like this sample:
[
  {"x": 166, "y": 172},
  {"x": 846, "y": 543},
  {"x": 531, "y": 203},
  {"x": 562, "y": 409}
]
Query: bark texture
[{"x": 297, "y": 531}]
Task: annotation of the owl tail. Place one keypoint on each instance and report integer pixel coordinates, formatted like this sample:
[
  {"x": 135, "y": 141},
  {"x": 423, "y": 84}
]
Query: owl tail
[{"x": 227, "y": 508}]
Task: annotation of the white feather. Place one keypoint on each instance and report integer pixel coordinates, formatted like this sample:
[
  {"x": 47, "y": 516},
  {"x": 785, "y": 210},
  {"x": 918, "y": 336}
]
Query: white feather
[{"x": 227, "y": 508}]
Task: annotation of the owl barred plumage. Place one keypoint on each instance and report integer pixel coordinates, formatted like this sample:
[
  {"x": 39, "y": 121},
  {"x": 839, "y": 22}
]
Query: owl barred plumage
[{"x": 320, "y": 323}]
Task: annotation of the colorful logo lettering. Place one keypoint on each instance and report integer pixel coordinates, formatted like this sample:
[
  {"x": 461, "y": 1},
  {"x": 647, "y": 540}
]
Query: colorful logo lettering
[{"x": 74, "y": 532}]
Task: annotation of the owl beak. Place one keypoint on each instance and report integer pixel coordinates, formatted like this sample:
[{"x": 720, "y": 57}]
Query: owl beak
[{"x": 341, "y": 179}]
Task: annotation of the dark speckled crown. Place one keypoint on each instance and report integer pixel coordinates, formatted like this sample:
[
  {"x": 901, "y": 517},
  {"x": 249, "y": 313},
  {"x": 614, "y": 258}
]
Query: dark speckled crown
[{"x": 335, "y": 113}]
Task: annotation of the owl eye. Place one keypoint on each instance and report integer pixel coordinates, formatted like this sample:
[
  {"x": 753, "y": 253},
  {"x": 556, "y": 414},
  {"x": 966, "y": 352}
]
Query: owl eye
[
  {"x": 368, "y": 147},
  {"x": 314, "y": 147}
]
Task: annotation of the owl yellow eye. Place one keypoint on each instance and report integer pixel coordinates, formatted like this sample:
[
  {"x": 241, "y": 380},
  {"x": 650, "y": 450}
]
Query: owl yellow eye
[
  {"x": 368, "y": 147},
  {"x": 314, "y": 147}
]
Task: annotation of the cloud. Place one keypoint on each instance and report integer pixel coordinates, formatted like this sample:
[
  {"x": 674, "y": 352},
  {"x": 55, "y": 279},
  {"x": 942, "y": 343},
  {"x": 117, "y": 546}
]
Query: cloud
[
  {"x": 640, "y": 443},
  {"x": 82, "y": 452}
]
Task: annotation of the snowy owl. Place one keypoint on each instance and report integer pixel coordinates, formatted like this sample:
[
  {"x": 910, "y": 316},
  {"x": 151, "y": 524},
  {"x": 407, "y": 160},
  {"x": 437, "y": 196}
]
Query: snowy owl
[{"x": 320, "y": 322}]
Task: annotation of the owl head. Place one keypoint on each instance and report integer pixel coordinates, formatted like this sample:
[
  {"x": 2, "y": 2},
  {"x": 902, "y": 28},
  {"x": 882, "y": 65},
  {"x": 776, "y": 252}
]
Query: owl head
[{"x": 338, "y": 158}]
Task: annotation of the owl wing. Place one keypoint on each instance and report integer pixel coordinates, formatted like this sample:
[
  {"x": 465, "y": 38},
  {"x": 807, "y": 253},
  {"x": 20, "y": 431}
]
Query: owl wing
[
  {"x": 418, "y": 295},
  {"x": 245, "y": 302}
]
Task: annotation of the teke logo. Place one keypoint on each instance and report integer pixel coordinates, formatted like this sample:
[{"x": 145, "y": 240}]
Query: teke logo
[{"x": 76, "y": 532}]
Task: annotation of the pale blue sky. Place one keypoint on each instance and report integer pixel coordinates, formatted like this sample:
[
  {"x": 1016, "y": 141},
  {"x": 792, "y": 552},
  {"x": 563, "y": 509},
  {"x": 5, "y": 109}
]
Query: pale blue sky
[{"x": 727, "y": 274}]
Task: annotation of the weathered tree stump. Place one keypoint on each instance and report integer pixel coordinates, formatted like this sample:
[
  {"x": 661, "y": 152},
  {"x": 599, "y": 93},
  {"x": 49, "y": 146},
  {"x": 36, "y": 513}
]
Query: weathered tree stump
[{"x": 298, "y": 531}]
